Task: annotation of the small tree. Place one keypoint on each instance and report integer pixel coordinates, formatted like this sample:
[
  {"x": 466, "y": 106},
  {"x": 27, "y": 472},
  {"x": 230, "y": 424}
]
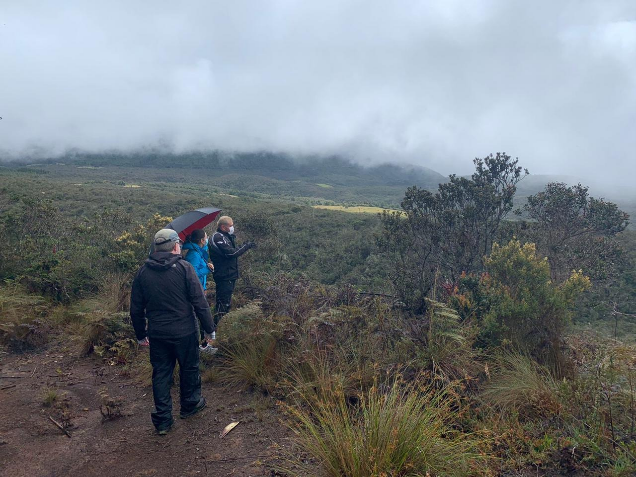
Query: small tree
[
  {"x": 446, "y": 233},
  {"x": 575, "y": 230},
  {"x": 412, "y": 241}
]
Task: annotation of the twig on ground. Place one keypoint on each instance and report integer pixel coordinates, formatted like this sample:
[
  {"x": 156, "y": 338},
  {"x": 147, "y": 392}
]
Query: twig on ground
[
  {"x": 8, "y": 387},
  {"x": 68, "y": 434}
]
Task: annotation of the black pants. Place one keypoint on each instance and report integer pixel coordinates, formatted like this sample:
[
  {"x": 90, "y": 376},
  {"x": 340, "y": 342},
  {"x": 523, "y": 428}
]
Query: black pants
[
  {"x": 164, "y": 353},
  {"x": 224, "y": 290}
]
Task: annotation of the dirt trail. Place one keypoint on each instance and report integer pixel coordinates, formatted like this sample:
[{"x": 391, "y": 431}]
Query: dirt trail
[{"x": 31, "y": 445}]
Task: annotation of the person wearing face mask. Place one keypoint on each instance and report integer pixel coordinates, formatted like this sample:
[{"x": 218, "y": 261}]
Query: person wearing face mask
[{"x": 224, "y": 254}]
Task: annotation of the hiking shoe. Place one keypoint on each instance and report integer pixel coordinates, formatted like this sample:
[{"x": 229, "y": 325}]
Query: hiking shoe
[
  {"x": 200, "y": 405},
  {"x": 164, "y": 430},
  {"x": 208, "y": 349}
]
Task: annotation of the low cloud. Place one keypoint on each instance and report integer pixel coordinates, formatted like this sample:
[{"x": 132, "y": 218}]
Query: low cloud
[{"x": 432, "y": 83}]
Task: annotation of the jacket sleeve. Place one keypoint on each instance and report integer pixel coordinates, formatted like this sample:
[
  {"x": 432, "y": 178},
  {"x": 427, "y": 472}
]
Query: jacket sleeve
[
  {"x": 138, "y": 308},
  {"x": 197, "y": 298},
  {"x": 221, "y": 245}
]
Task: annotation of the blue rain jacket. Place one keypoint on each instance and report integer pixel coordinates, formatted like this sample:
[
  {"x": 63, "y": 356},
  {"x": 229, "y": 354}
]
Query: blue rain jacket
[{"x": 198, "y": 257}]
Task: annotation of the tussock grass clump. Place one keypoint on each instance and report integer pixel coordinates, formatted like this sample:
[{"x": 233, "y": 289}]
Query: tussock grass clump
[
  {"x": 518, "y": 383},
  {"x": 252, "y": 362},
  {"x": 50, "y": 396},
  {"x": 397, "y": 431},
  {"x": 22, "y": 315},
  {"x": 139, "y": 368},
  {"x": 316, "y": 376},
  {"x": 250, "y": 347},
  {"x": 114, "y": 294},
  {"x": 210, "y": 375},
  {"x": 108, "y": 332},
  {"x": 16, "y": 303}
]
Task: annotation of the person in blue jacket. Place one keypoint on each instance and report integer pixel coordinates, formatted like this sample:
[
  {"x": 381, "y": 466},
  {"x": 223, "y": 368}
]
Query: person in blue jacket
[{"x": 195, "y": 251}]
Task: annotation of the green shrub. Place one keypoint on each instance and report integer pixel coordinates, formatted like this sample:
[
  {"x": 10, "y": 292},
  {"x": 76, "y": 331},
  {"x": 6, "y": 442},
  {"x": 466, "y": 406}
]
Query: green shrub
[{"x": 516, "y": 303}]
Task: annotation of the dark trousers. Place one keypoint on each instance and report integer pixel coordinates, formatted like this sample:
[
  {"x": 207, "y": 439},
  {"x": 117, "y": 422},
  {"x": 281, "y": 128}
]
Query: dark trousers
[
  {"x": 164, "y": 353},
  {"x": 224, "y": 290}
]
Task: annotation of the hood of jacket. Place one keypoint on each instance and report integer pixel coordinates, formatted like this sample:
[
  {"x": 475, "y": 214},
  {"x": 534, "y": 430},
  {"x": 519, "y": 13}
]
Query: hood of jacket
[
  {"x": 193, "y": 246},
  {"x": 162, "y": 260}
]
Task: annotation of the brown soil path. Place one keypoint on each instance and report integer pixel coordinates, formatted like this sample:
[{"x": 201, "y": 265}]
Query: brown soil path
[{"x": 31, "y": 445}]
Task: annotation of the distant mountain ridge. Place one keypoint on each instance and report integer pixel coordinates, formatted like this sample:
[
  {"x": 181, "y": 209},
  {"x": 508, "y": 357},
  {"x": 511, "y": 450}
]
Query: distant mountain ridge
[
  {"x": 311, "y": 180},
  {"x": 331, "y": 170}
]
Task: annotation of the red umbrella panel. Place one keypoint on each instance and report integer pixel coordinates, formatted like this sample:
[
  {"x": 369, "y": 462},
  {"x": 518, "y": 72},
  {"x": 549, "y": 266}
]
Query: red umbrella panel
[{"x": 185, "y": 224}]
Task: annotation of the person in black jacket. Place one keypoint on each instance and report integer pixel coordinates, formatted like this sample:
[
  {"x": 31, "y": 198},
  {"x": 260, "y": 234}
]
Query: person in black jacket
[
  {"x": 166, "y": 296},
  {"x": 224, "y": 255}
]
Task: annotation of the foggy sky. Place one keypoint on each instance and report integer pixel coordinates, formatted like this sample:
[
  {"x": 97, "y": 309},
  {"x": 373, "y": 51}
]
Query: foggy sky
[{"x": 434, "y": 83}]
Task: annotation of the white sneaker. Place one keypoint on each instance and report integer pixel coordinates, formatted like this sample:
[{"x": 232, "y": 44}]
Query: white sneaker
[{"x": 208, "y": 349}]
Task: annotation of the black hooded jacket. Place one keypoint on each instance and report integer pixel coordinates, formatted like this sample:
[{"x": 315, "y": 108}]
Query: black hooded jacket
[
  {"x": 224, "y": 255},
  {"x": 167, "y": 293}
]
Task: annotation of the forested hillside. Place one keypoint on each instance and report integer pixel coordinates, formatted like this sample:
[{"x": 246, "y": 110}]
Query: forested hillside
[
  {"x": 306, "y": 180},
  {"x": 263, "y": 175}
]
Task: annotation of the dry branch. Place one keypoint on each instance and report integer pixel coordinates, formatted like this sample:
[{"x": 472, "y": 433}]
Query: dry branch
[{"x": 68, "y": 434}]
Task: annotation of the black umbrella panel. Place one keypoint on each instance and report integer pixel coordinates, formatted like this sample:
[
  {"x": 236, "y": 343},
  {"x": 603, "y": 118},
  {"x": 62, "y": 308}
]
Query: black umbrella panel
[{"x": 195, "y": 219}]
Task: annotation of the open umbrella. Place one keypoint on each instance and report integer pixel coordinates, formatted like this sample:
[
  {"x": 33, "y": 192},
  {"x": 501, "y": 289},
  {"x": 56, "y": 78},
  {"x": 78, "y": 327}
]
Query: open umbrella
[{"x": 195, "y": 219}]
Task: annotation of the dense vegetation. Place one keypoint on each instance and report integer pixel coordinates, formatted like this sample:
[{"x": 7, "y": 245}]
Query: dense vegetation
[
  {"x": 436, "y": 340},
  {"x": 259, "y": 175}
]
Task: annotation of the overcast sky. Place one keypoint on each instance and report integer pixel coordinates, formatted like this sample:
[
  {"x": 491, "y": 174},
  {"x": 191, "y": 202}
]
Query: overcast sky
[{"x": 435, "y": 83}]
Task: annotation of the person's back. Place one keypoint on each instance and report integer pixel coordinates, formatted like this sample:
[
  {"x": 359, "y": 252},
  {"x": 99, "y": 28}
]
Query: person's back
[{"x": 166, "y": 295}]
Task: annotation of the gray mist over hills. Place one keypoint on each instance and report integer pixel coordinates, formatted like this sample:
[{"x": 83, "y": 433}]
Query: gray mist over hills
[{"x": 433, "y": 83}]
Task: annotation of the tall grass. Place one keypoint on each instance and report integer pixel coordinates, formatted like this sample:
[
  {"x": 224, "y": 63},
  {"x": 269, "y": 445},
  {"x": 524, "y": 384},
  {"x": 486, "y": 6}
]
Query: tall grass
[
  {"x": 519, "y": 383},
  {"x": 22, "y": 318},
  {"x": 397, "y": 431},
  {"x": 252, "y": 362},
  {"x": 17, "y": 305}
]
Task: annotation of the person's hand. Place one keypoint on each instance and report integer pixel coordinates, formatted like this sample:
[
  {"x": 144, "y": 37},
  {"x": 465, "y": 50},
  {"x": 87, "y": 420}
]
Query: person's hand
[
  {"x": 208, "y": 338},
  {"x": 144, "y": 342},
  {"x": 211, "y": 266},
  {"x": 251, "y": 244}
]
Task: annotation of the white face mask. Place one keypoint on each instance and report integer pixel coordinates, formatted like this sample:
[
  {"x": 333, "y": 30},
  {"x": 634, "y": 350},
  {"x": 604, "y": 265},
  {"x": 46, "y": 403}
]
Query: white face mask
[{"x": 231, "y": 230}]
